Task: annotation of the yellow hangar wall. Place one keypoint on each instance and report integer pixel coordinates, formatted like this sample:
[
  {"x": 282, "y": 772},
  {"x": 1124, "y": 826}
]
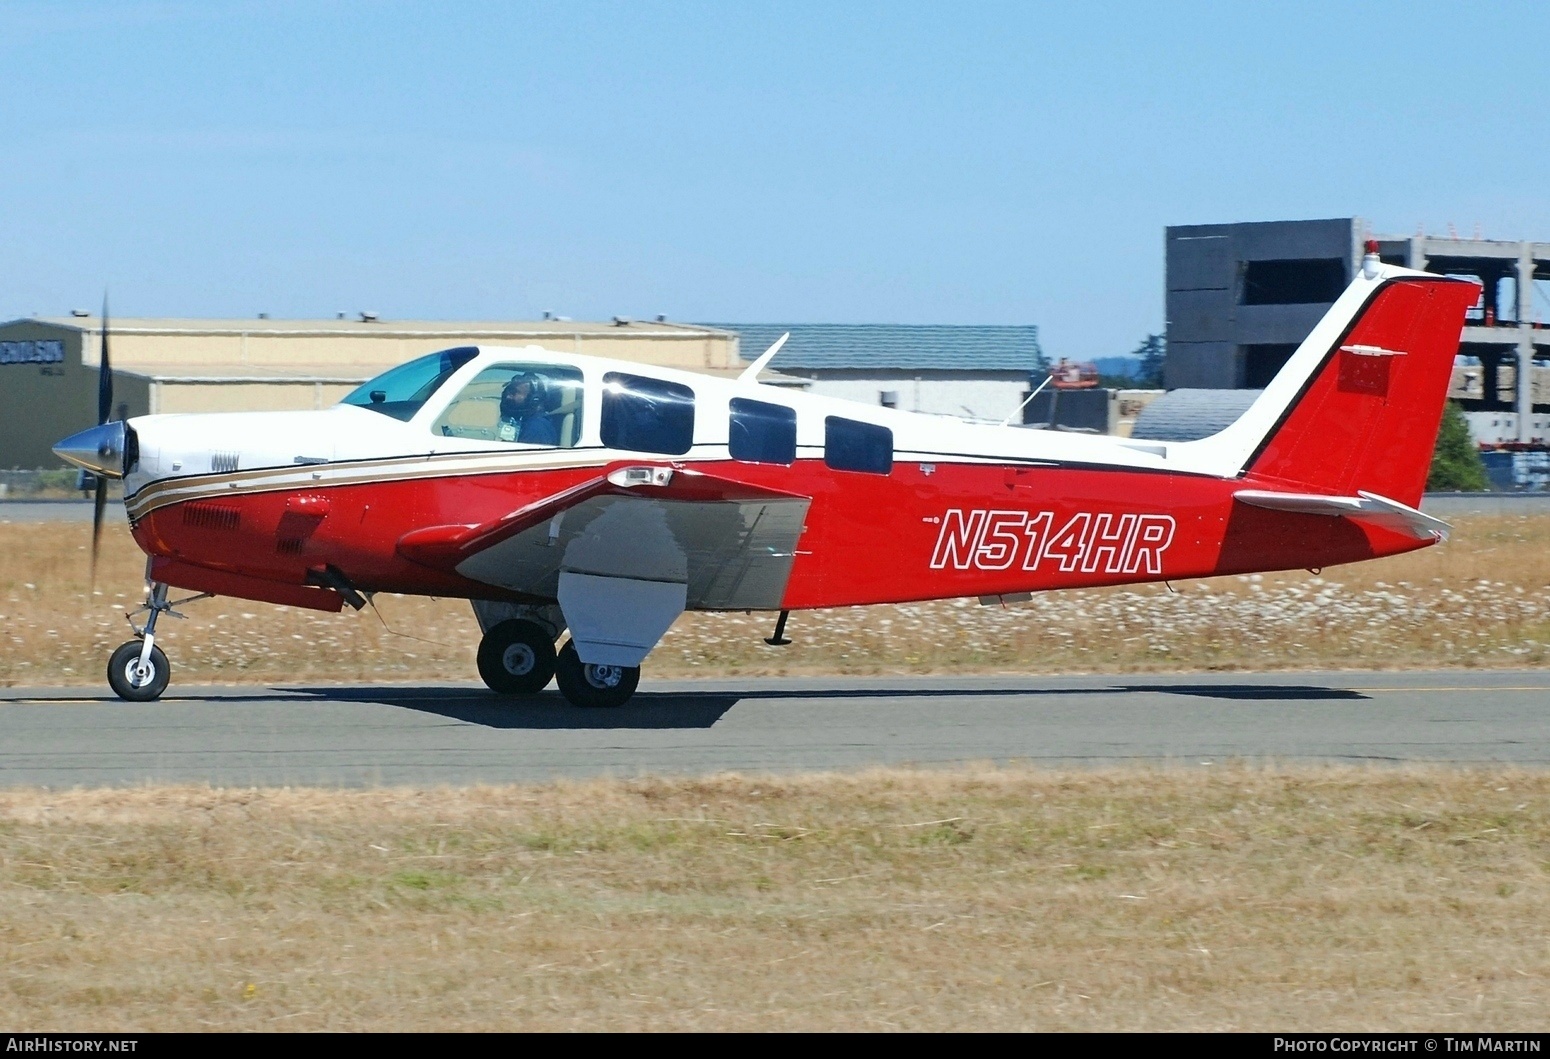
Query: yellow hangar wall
[
  {"x": 214, "y": 395},
  {"x": 48, "y": 367},
  {"x": 303, "y": 349},
  {"x": 290, "y": 345}
]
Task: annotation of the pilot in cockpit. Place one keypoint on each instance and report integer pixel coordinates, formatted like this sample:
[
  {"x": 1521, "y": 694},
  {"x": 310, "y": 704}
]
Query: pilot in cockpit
[{"x": 524, "y": 412}]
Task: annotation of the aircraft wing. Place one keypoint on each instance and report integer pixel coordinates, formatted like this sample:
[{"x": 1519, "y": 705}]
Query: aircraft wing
[
  {"x": 1364, "y": 507},
  {"x": 730, "y": 545}
]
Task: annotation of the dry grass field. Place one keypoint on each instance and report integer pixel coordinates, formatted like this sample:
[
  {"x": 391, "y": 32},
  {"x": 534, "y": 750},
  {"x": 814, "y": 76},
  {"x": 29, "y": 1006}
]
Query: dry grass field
[
  {"x": 1213, "y": 899},
  {"x": 1479, "y": 600}
]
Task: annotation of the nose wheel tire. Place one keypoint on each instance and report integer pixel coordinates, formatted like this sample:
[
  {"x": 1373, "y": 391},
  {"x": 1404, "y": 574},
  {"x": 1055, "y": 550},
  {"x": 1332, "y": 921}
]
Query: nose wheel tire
[
  {"x": 593, "y": 686},
  {"x": 132, "y": 683},
  {"x": 516, "y": 657}
]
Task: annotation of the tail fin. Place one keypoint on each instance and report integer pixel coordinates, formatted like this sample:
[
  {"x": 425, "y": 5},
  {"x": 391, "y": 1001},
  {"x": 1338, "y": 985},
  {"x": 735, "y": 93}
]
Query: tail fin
[{"x": 1358, "y": 406}]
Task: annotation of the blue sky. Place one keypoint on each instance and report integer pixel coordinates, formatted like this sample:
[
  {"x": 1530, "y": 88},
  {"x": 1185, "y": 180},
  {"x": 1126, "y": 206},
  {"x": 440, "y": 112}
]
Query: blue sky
[{"x": 818, "y": 162}]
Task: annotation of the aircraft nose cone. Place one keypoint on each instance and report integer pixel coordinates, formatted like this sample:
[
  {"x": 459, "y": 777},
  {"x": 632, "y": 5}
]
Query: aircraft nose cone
[{"x": 97, "y": 449}]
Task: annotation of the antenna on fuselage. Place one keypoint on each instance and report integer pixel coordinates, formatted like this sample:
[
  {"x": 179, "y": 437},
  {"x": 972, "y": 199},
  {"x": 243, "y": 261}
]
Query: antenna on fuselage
[
  {"x": 751, "y": 373},
  {"x": 1018, "y": 411}
]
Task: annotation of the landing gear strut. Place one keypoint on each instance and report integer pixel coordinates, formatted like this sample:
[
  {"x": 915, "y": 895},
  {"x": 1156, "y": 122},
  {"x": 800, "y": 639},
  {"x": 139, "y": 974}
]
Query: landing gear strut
[{"x": 138, "y": 671}]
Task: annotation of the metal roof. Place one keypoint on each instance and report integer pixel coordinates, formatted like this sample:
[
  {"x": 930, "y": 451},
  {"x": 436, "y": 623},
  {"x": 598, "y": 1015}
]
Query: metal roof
[
  {"x": 350, "y": 374},
  {"x": 907, "y": 347},
  {"x": 1185, "y": 415},
  {"x": 390, "y": 328}
]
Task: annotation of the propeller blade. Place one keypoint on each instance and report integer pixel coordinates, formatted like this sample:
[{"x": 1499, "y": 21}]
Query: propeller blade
[
  {"x": 104, "y": 410},
  {"x": 99, "y": 508},
  {"x": 104, "y": 374}
]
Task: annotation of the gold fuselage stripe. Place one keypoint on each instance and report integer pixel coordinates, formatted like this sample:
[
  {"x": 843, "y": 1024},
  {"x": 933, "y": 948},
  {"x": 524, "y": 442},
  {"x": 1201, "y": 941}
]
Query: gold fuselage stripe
[{"x": 166, "y": 491}]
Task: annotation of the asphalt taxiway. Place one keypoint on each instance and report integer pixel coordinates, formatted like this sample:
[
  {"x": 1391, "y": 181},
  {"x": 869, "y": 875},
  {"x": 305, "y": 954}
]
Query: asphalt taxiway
[{"x": 460, "y": 733}]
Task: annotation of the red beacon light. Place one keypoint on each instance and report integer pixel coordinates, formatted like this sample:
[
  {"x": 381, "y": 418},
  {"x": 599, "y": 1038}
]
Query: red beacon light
[{"x": 1371, "y": 263}]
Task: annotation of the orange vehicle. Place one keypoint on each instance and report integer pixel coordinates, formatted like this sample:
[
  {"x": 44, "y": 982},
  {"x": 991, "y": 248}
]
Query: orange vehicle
[{"x": 1073, "y": 375}]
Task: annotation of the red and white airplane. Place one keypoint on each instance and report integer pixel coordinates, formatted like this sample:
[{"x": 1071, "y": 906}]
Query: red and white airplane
[{"x": 562, "y": 493}]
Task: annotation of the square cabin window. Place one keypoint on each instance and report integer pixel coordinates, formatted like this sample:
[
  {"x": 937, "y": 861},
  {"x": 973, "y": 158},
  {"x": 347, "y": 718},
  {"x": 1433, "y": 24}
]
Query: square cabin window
[
  {"x": 852, "y": 446},
  {"x": 647, "y": 415},
  {"x": 762, "y": 433}
]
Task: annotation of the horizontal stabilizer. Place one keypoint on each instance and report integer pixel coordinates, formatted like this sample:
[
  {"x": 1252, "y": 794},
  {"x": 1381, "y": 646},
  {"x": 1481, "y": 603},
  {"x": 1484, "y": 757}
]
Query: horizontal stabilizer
[{"x": 1364, "y": 507}]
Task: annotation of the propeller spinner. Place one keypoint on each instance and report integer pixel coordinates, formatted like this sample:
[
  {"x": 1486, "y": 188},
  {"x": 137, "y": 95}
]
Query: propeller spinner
[{"x": 98, "y": 449}]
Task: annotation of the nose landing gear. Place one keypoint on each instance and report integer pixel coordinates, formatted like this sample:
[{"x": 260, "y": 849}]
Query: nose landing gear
[{"x": 138, "y": 671}]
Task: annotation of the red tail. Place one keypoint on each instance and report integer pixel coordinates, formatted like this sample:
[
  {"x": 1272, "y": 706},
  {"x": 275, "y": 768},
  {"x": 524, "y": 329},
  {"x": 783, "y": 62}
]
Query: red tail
[{"x": 1367, "y": 420}]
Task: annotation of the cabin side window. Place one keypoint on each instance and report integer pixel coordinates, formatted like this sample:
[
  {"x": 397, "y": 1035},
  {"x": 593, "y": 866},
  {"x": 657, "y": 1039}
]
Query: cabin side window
[
  {"x": 522, "y": 404},
  {"x": 852, "y": 446},
  {"x": 759, "y": 432},
  {"x": 647, "y": 415}
]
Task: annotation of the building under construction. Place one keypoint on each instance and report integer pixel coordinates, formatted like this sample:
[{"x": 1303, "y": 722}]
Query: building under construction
[{"x": 1241, "y": 297}]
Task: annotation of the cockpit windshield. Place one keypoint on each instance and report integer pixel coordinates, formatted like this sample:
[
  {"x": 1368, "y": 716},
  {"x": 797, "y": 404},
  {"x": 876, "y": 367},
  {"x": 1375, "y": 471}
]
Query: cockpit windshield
[{"x": 402, "y": 391}]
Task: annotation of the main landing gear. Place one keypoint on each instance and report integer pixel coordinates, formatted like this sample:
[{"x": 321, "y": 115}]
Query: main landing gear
[
  {"x": 138, "y": 671},
  {"x": 517, "y": 656},
  {"x": 588, "y": 685}
]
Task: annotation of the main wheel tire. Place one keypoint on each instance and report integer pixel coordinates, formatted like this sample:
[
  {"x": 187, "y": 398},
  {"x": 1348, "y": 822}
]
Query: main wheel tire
[
  {"x": 516, "y": 657},
  {"x": 126, "y": 680},
  {"x": 593, "y": 686}
]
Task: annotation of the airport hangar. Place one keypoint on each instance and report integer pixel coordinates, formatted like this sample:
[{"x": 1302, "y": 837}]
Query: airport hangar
[
  {"x": 979, "y": 371},
  {"x": 48, "y": 366}
]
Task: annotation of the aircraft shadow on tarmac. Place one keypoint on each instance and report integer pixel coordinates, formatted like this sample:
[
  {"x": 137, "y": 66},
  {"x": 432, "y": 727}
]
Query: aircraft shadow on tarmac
[
  {"x": 546, "y": 710},
  {"x": 702, "y": 709},
  {"x": 1250, "y": 692},
  {"x": 647, "y": 709}
]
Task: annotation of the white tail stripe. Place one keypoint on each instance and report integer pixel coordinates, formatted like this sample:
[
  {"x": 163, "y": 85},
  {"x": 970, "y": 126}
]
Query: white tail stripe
[{"x": 1372, "y": 351}]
